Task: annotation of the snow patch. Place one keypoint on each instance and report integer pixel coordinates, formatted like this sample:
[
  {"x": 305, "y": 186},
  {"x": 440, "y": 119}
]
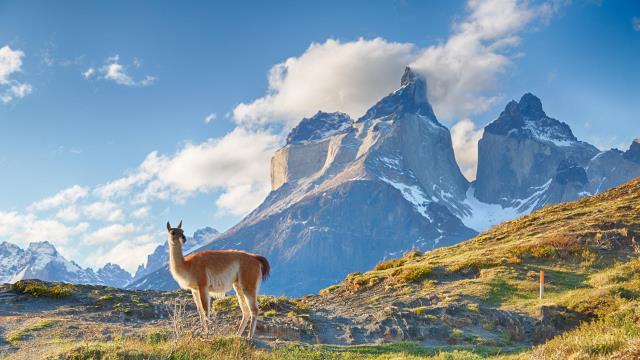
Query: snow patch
[
  {"x": 548, "y": 135},
  {"x": 413, "y": 194},
  {"x": 481, "y": 216}
]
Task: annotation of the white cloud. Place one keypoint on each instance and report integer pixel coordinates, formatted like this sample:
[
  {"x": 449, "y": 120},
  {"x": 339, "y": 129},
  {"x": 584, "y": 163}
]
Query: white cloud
[
  {"x": 463, "y": 72},
  {"x": 104, "y": 210},
  {"x": 22, "y": 229},
  {"x": 331, "y": 76},
  {"x": 126, "y": 254},
  {"x": 465, "y": 137},
  {"x": 123, "y": 186},
  {"x": 65, "y": 197},
  {"x": 68, "y": 214},
  {"x": 10, "y": 64},
  {"x": 114, "y": 71},
  {"x": 241, "y": 199},
  {"x": 636, "y": 23},
  {"x": 236, "y": 164},
  {"x": 110, "y": 234},
  {"x": 211, "y": 117},
  {"x": 238, "y": 161},
  {"x": 87, "y": 74},
  {"x": 141, "y": 212}
]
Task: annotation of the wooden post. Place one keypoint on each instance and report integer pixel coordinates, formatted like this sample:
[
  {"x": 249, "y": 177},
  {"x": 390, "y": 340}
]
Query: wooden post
[{"x": 541, "y": 284}]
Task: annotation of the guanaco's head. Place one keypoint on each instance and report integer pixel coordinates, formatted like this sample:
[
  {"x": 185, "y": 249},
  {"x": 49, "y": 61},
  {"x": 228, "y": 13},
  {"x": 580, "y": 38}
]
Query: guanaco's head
[{"x": 176, "y": 235}]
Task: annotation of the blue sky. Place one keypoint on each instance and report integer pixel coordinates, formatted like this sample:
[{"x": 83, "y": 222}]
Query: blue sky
[{"x": 103, "y": 104}]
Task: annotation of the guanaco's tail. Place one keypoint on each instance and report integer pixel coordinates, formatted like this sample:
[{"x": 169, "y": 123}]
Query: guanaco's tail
[{"x": 265, "y": 266}]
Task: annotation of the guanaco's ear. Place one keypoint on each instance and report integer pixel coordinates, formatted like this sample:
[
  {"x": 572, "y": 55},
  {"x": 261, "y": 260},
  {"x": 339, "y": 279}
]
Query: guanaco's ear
[
  {"x": 180, "y": 225},
  {"x": 168, "y": 226}
]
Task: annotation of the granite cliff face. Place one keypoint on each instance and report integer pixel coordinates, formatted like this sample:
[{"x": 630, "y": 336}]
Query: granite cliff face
[
  {"x": 347, "y": 194},
  {"x": 523, "y": 152},
  {"x": 527, "y": 160}
]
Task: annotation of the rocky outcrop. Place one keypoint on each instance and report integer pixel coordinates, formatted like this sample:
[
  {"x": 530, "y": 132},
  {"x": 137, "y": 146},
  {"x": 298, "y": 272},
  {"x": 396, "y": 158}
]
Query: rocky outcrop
[
  {"x": 613, "y": 167},
  {"x": 633, "y": 154}
]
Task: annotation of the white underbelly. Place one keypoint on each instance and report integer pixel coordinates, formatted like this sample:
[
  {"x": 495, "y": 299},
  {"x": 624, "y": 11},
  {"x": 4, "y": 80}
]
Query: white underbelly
[{"x": 222, "y": 282}]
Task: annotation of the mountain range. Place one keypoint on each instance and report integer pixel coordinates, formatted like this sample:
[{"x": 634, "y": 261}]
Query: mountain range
[
  {"x": 41, "y": 260},
  {"x": 348, "y": 193}
]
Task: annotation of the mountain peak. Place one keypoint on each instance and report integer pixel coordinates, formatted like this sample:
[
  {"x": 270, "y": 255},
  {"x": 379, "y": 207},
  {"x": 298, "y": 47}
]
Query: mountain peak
[
  {"x": 527, "y": 119},
  {"x": 319, "y": 126},
  {"x": 633, "y": 153},
  {"x": 410, "y": 76},
  {"x": 531, "y": 106},
  {"x": 42, "y": 247},
  {"x": 411, "y": 98}
]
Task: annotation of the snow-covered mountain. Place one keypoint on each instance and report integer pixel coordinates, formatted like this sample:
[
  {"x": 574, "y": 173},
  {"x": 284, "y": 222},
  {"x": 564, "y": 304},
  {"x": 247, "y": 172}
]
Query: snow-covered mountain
[
  {"x": 347, "y": 194},
  {"x": 42, "y": 261},
  {"x": 160, "y": 256}
]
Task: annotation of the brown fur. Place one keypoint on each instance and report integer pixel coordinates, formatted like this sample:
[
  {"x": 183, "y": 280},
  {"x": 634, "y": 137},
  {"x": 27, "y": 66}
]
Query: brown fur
[{"x": 214, "y": 272}]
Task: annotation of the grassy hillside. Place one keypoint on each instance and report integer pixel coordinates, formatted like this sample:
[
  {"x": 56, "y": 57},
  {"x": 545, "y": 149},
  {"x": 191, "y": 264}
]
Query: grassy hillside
[
  {"x": 477, "y": 299},
  {"x": 589, "y": 252}
]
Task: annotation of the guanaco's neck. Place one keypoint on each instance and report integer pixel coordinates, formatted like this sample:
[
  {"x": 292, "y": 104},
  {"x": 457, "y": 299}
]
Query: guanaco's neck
[{"x": 176, "y": 260}]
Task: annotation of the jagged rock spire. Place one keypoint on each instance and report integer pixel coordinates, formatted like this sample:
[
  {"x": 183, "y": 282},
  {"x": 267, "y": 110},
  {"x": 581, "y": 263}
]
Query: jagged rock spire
[{"x": 411, "y": 97}]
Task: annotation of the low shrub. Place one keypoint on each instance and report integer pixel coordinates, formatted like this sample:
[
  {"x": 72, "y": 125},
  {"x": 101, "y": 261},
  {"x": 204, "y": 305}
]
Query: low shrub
[{"x": 41, "y": 289}]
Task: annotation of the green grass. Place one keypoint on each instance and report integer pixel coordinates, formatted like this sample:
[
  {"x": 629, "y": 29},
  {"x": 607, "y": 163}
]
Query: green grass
[
  {"x": 329, "y": 289},
  {"x": 238, "y": 348},
  {"x": 226, "y": 304},
  {"x": 21, "y": 334},
  {"x": 399, "y": 350},
  {"x": 600, "y": 339},
  {"x": 156, "y": 336},
  {"x": 415, "y": 273},
  {"x": 270, "y": 313},
  {"x": 38, "y": 288}
]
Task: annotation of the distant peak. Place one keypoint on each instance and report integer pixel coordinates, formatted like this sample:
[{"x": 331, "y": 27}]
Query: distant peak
[
  {"x": 633, "y": 153},
  {"x": 41, "y": 245},
  {"x": 527, "y": 119}
]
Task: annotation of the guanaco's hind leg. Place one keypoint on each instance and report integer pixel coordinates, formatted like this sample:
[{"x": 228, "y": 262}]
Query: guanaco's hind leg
[
  {"x": 244, "y": 307},
  {"x": 252, "y": 302}
]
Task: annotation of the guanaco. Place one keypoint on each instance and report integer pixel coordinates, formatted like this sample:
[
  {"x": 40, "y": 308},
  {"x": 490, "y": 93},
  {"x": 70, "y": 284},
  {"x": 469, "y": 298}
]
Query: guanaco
[{"x": 211, "y": 274}]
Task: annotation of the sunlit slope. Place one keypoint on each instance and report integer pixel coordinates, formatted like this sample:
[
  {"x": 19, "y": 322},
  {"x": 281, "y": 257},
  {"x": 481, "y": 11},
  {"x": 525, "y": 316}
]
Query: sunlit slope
[{"x": 588, "y": 250}]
